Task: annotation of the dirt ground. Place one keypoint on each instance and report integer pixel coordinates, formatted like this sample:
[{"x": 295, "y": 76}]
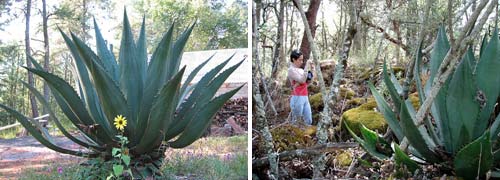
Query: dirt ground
[{"x": 25, "y": 152}]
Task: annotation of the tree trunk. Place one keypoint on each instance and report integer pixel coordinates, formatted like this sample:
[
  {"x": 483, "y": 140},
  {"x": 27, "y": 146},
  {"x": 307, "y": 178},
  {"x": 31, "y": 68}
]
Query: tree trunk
[
  {"x": 292, "y": 30},
  {"x": 311, "y": 14},
  {"x": 329, "y": 98},
  {"x": 83, "y": 21},
  {"x": 277, "y": 60},
  {"x": 47, "y": 52},
  {"x": 257, "y": 97},
  {"x": 319, "y": 161},
  {"x": 349, "y": 36},
  {"x": 396, "y": 28},
  {"x": 31, "y": 81}
]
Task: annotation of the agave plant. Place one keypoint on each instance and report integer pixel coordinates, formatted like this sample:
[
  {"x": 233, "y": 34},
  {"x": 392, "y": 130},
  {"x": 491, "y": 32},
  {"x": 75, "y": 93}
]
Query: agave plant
[
  {"x": 150, "y": 95},
  {"x": 461, "y": 132}
]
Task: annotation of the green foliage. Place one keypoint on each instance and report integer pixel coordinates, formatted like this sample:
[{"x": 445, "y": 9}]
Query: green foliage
[
  {"x": 214, "y": 158},
  {"x": 402, "y": 159},
  {"x": 121, "y": 163},
  {"x": 371, "y": 142},
  {"x": 11, "y": 56},
  {"x": 224, "y": 24},
  {"x": 462, "y": 112},
  {"x": 147, "y": 95},
  {"x": 475, "y": 158},
  {"x": 356, "y": 117}
]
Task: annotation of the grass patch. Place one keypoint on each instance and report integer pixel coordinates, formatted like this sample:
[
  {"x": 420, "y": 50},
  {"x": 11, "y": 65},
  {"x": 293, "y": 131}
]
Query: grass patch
[
  {"x": 11, "y": 132},
  {"x": 207, "y": 158},
  {"x": 55, "y": 172},
  {"x": 206, "y": 167}
]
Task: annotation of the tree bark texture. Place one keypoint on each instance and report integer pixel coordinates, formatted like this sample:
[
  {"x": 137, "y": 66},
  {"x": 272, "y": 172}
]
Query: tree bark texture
[
  {"x": 260, "y": 114},
  {"x": 256, "y": 37},
  {"x": 260, "y": 117},
  {"x": 31, "y": 81},
  {"x": 83, "y": 21},
  {"x": 322, "y": 127},
  {"x": 46, "y": 57},
  {"x": 411, "y": 67},
  {"x": 278, "y": 48},
  {"x": 386, "y": 35},
  {"x": 311, "y": 14},
  {"x": 308, "y": 152}
]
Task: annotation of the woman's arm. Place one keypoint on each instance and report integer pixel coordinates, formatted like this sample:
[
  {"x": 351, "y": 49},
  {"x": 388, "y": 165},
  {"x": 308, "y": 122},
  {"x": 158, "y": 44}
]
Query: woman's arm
[{"x": 297, "y": 75}]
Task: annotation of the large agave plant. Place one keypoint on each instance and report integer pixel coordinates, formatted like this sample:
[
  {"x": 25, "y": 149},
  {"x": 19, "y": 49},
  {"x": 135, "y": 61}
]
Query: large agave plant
[
  {"x": 460, "y": 132},
  {"x": 150, "y": 95}
]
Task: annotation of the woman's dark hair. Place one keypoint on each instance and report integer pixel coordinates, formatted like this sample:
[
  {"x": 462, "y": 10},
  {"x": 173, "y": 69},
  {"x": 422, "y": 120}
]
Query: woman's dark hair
[{"x": 295, "y": 55}]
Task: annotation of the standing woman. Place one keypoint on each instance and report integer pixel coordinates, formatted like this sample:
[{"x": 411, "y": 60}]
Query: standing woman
[{"x": 299, "y": 103}]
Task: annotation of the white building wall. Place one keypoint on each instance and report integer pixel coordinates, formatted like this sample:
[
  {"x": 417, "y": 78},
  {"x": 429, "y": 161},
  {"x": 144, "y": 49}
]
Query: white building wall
[{"x": 237, "y": 78}]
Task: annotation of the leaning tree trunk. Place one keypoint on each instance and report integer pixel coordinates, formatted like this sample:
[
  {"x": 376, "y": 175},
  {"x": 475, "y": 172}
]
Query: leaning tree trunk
[
  {"x": 319, "y": 162},
  {"x": 311, "y": 14},
  {"x": 260, "y": 115},
  {"x": 328, "y": 99}
]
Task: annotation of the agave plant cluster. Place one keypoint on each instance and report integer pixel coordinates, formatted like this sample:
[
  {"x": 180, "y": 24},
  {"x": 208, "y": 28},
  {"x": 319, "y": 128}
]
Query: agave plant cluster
[
  {"x": 149, "y": 94},
  {"x": 461, "y": 132}
]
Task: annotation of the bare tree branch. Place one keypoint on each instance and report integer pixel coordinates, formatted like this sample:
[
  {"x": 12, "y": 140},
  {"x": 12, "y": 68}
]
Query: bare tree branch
[
  {"x": 453, "y": 55},
  {"x": 312, "y": 151},
  {"x": 366, "y": 21}
]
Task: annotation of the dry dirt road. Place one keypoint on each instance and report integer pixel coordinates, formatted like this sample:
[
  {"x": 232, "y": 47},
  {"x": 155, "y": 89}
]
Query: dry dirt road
[{"x": 25, "y": 152}]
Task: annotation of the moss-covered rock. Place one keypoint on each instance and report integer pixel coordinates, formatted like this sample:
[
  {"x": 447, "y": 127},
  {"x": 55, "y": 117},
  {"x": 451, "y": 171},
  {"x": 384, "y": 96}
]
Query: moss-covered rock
[
  {"x": 289, "y": 137},
  {"x": 327, "y": 70},
  {"x": 366, "y": 74},
  {"x": 365, "y": 115},
  {"x": 344, "y": 159},
  {"x": 376, "y": 73},
  {"x": 356, "y": 101},
  {"x": 347, "y": 93},
  {"x": 313, "y": 89},
  {"x": 316, "y": 102},
  {"x": 369, "y": 105}
]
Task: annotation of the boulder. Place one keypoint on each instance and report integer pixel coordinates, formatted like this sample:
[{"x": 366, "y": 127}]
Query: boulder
[
  {"x": 289, "y": 137},
  {"x": 344, "y": 159},
  {"x": 366, "y": 115},
  {"x": 316, "y": 100}
]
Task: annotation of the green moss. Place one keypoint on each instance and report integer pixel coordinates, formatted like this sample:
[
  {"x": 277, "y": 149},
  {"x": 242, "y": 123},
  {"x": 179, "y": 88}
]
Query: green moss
[
  {"x": 356, "y": 101},
  {"x": 344, "y": 159},
  {"x": 367, "y": 73},
  {"x": 316, "y": 101},
  {"x": 369, "y": 105},
  {"x": 289, "y": 137},
  {"x": 347, "y": 93},
  {"x": 313, "y": 89},
  {"x": 365, "y": 115},
  {"x": 415, "y": 101}
]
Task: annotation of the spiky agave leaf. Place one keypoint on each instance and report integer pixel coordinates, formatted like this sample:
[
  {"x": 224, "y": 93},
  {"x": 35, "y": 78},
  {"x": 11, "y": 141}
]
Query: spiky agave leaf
[{"x": 147, "y": 94}]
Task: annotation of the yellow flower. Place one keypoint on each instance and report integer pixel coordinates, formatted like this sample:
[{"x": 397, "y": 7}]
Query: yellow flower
[{"x": 120, "y": 122}]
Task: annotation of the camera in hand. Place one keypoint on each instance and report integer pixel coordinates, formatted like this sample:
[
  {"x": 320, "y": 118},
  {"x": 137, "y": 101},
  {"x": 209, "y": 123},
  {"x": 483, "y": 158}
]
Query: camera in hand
[{"x": 309, "y": 75}]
